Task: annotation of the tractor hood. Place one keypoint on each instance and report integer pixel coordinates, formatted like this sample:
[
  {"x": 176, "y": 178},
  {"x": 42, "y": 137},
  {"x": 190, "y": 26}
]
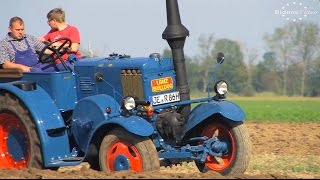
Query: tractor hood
[
  {"x": 142, "y": 77},
  {"x": 149, "y": 64}
]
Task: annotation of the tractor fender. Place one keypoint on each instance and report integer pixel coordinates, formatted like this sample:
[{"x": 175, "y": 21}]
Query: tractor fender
[
  {"x": 225, "y": 108},
  {"x": 90, "y": 115},
  {"x": 47, "y": 118}
]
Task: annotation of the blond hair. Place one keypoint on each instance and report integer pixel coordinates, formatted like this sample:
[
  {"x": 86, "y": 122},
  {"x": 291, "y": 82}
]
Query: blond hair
[{"x": 57, "y": 14}]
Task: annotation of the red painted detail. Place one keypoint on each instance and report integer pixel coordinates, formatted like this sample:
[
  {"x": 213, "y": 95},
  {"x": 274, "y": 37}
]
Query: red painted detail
[
  {"x": 9, "y": 122},
  {"x": 223, "y": 133},
  {"x": 126, "y": 149}
]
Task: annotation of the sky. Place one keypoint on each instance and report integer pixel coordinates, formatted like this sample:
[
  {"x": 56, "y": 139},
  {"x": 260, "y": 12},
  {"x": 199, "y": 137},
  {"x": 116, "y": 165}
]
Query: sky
[{"x": 134, "y": 27}]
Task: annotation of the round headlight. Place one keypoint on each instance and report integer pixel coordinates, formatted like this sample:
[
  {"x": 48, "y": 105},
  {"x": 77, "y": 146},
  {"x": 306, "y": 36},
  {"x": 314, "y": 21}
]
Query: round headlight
[
  {"x": 221, "y": 88},
  {"x": 129, "y": 103}
]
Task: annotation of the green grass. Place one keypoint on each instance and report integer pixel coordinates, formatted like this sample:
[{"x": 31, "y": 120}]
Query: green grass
[
  {"x": 267, "y": 107},
  {"x": 299, "y": 166},
  {"x": 285, "y": 163},
  {"x": 281, "y": 110}
]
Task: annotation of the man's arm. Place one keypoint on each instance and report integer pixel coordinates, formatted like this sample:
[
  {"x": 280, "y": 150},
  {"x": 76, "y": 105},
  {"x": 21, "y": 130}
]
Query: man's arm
[
  {"x": 12, "y": 65},
  {"x": 74, "y": 48},
  {"x": 5, "y": 59}
]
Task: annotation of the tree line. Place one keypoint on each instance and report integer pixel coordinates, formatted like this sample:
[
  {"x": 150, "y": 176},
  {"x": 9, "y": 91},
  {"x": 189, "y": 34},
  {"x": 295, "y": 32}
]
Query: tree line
[{"x": 289, "y": 66}]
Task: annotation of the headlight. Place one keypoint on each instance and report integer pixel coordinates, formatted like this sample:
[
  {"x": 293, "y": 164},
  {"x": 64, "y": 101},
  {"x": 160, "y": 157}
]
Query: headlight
[
  {"x": 129, "y": 103},
  {"x": 221, "y": 88}
]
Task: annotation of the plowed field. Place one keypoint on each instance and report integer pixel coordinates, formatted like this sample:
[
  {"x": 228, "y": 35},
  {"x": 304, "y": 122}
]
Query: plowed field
[{"x": 280, "y": 150}]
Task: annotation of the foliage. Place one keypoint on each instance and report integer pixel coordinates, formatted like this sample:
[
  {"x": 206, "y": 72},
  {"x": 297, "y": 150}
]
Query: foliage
[
  {"x": 266, "y": 75},
  {"x": 296, "y": 47},
  {"x": 234, "y": 70},
  {"x": 166, "y": 53},
  {"x": 205, "y": 61},
  {"x": 314, "y": 80},
  {"x": 290, "y": 65},
  {"x": 192, "y": 68}
]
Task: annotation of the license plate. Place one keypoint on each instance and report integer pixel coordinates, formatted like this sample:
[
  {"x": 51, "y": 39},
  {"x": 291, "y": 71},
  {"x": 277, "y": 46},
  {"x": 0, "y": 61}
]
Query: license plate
[{"x": 165, "y": 98}]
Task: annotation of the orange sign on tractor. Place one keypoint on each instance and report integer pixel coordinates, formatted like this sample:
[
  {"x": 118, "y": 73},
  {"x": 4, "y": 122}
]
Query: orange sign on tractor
[{"x": 162, "y": 84}]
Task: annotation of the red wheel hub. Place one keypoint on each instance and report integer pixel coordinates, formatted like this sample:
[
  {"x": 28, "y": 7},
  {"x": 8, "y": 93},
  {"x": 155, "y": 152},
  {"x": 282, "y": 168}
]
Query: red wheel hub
[
  {"x": 123, "y": 156},
  {"x": 222, "y": 133},
  {"x": 14, "y": 143}
]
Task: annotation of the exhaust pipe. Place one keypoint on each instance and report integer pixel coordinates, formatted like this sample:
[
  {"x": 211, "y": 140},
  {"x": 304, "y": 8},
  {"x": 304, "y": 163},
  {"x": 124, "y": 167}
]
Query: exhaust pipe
[{"x": 175, "y": 34}]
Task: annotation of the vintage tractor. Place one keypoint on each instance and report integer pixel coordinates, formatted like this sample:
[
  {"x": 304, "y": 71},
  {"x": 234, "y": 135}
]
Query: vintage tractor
[{"x": 120, "y": 113}]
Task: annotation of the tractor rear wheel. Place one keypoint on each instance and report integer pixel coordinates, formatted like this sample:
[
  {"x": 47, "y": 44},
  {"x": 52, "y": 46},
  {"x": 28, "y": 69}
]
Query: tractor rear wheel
[
  {"x": 237, "y": 159},
  {"x": 121, "y": 150},
  {"x": 19, "y": 142}
]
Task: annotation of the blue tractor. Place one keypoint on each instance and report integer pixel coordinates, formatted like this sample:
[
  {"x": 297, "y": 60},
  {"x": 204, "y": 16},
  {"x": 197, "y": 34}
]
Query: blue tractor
[{"x": 120, "y": 113}]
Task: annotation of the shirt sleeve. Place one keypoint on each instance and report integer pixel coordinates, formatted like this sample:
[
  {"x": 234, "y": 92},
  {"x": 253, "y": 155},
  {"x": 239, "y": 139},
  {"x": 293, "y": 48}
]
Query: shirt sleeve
[
  {"x": 4, "y": 54},
  {"x": 47, "y": 36},
  {"x": 74, "y": 35},
  {"x": 36, "y": 44}
]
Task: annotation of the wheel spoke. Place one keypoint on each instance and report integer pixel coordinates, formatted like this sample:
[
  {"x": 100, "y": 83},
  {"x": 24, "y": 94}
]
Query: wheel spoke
[
  {"x": 216, "y": 133},
  {"x": 120, "y": 148},
  {"x": 215, "y": 162},
  {"x": 222, "y": 133},
  {"x": 134, "y": 159}
]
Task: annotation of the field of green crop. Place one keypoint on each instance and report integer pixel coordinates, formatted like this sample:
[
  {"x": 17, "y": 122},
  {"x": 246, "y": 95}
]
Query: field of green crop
[
  {"x": 277, "y": 108},
  {"x": 293, "y": 109}
]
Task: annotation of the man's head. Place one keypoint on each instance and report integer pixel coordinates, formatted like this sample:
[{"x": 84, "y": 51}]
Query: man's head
[
  {"x": 16, "y": 28},
  {"x": 56, "y": 17}
]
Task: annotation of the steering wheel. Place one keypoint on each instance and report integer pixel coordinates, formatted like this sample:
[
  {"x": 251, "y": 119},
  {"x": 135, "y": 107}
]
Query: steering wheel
[{"x": 57, "y": 52}]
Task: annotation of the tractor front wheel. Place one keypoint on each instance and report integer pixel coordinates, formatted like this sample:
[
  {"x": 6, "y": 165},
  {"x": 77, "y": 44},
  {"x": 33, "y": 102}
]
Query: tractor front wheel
[
  {"x": 19, "y": 142},
  {"x": 121, "y": 150},
  {"x": 236, "y": 160}
]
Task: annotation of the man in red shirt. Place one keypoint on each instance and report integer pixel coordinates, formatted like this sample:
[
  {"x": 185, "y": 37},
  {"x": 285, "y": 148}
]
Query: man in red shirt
[{"x": 60, "y": 29}]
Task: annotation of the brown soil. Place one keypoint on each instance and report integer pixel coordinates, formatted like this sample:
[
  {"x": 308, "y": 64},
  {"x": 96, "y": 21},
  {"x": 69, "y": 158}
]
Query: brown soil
[{"x": 268, "y": 140}]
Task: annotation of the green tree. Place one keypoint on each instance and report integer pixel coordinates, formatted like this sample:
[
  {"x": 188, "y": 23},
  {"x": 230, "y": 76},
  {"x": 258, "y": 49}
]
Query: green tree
[
  {"x": 252, "y": 57},
  {"x": 306, "y": 38},
  {"x": 314, "y": 80},
  {"x": 206, "y": 59},
  {"x": 234, "y": 70},
  {"x": 294, "y": 73},
  {"x": 192, "y": 68},
  {"x": 193, "y": 73},
  {"x": 167, "y": 53},
  {"x": 280, "y": 42},
  {"x": 296, "y": 45},
  {"x": 266, "y": 76}
]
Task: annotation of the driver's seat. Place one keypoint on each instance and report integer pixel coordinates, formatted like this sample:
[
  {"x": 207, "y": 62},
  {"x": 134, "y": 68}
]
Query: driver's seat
[{"x": 8, "y": 75}]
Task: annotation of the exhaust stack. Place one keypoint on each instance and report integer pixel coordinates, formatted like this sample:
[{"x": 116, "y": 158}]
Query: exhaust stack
[{"x": 175, "y": 34}]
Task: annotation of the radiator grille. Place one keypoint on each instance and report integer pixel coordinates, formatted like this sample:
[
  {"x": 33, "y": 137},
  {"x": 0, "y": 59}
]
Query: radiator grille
[
  {"x": 85, "y": 84},
  {"x": 131, "y": 80}
]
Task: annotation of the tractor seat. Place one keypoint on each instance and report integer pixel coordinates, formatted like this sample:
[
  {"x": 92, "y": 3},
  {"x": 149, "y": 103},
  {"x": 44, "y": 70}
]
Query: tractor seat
[
  {"x": 8, "y": 75},
  {"x": 11, "y": 73}
]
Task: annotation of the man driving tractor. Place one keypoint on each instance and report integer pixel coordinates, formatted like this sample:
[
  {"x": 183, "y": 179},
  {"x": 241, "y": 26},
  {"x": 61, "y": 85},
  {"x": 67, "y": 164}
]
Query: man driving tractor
[{"x": 18, "y": 50}]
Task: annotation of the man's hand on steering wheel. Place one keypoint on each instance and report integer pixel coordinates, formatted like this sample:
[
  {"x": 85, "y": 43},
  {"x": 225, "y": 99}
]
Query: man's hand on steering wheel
[{"x": 56, "y": 52}]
